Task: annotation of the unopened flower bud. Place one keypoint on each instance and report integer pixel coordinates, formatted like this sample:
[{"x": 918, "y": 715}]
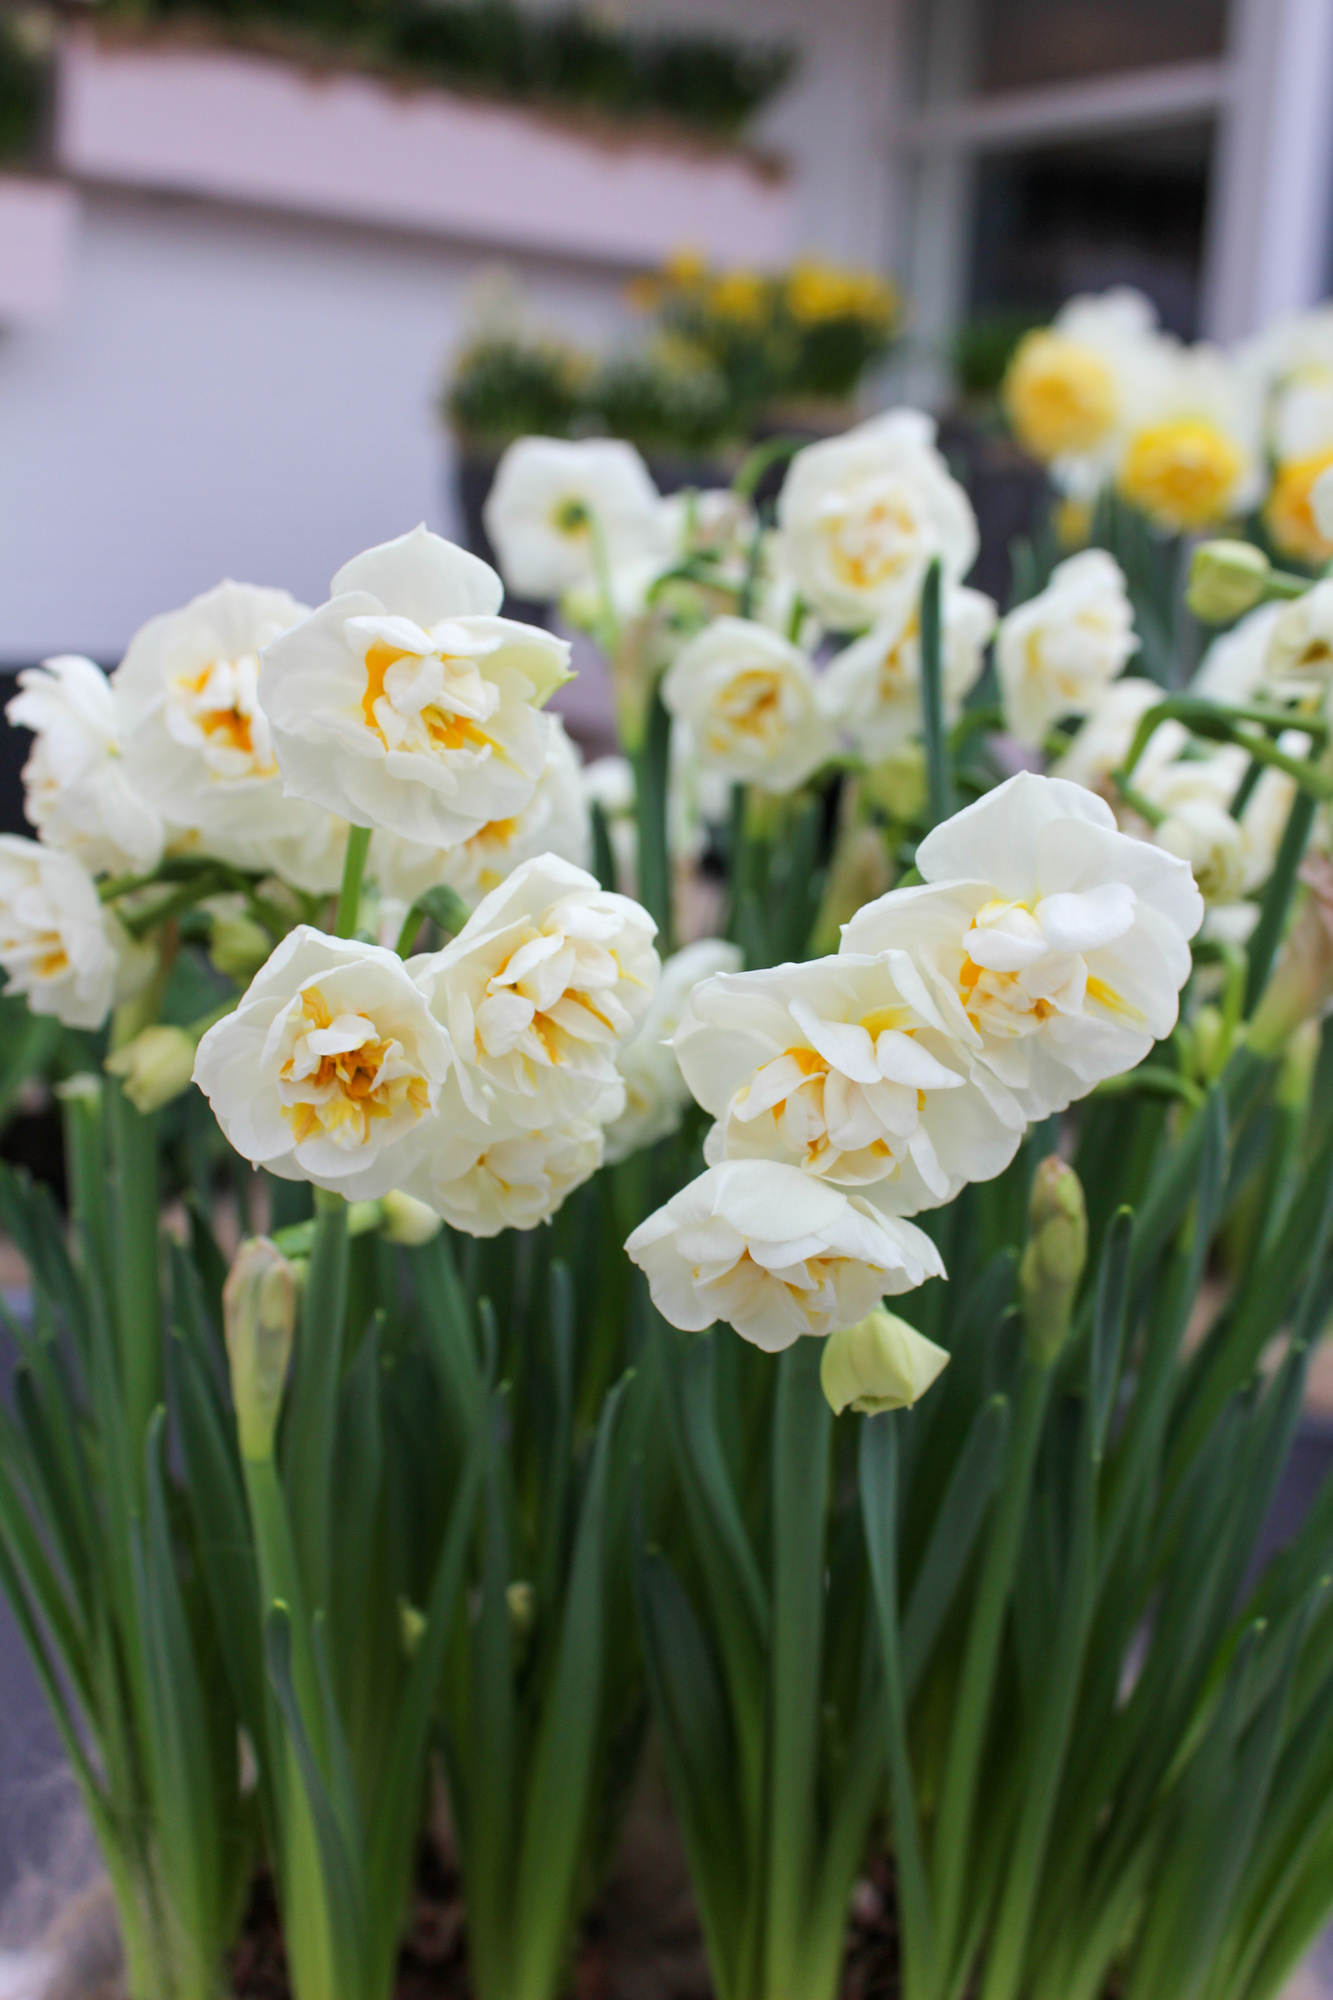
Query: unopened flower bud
[
  {"x": 1301, "y": 984},
  {"x": 1226, "y": 580},
  {"x": 522, "y": 1601},
  {"x": 881, "y": 1363},
  {"x": 155, "y": 1067},
  {"x": 404, "y": 1219},
  {"x": 411, "y": 1627},
  {"x": 237, "y": 945},
  {"x": 861, "y": 873},
  {"x": 897, "y": 782},
  {"x": 259, "y": 1316},
  {"x": 1057, "y": 1249}
]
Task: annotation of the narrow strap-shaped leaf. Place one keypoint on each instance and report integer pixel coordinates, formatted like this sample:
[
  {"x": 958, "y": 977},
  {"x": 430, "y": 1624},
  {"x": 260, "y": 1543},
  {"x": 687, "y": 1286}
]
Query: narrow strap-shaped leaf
[
  {"x": 1042, "y": 1753},
  {"x": 450, "y": 1336},
  {"x": 562, "y": 1762},
  {"x": 490, "y": 1753},
  {"x": 187, "y": 1810},
  {"x": 138, "y": 1288},
  {"x": 1276, "y": 901},
  {"x": 953, "y": 1835},
  {"x": 953, "y": 1537},
  {"x": 310, "y": 1420},
  {"x": 394, "y": 1820},
  {"x": 1108, "y": 1326},
  {"x": 341, "y": 1886},
  {"x": 699, "y": 1754},
  {"x": 879, "y": 1513}
]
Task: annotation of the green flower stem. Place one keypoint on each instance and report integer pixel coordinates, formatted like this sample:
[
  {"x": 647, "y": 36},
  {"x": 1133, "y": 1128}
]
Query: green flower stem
[
  {"x": 801, "y": 1426},
  {"x": 939, "y": 775},
  {"x": 354, "y": 867},
  {"x": 651, "y": 783},
  {"x": 953, "y": 1843},
  {"x": 1267, "y": 934}
]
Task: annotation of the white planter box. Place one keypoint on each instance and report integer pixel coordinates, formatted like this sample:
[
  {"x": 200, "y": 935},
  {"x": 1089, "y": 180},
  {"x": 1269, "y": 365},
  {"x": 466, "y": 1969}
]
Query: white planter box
[
  {"x": 242, "y": 128},
  {"x": 37, "y": 225}
]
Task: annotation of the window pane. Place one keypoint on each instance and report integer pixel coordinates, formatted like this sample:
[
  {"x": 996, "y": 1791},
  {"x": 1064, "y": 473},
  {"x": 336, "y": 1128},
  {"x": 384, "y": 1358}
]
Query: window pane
[
  {"x": 1127, "y": 210},
  {"x": 1026, "y": 42}
]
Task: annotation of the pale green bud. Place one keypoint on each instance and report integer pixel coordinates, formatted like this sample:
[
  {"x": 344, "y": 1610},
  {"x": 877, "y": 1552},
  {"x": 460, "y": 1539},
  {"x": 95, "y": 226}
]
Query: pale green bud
[
  {"x": 860, "y": 874},
  {"x": 1057, "y": 1250},
  {"x": 259, "y": 1316},
  {"x": 897, "y": 782},
  {"x": 404, "y": 1219},
  {"x": 155, "y": 1067},
  {"x": 238, "y": 945},
  {"x": 411, "y": 1626},
  {"x": 881, "y": 1363},
  {"x": 1226, "y": 580},
  {"x": 81, "y": 1088},
  {"x": 522, "y": 1601}
]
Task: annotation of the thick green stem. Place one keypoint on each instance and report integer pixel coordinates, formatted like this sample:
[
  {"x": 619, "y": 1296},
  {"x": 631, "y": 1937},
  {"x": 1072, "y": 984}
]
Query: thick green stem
[
  {"x": 354, "y": 867},
  {"x": 953, "y": 1844},
  {"x": 939, "y": 776}
]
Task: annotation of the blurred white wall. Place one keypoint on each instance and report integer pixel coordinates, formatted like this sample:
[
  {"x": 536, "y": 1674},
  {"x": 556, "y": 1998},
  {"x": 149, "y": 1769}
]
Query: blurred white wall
[
  {"x": 228, "y": 393},
  {"x": 228, "y": 388}
]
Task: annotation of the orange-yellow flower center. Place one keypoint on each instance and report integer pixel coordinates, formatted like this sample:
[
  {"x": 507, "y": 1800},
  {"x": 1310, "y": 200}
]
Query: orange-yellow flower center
[{"x": 1182, "y": 473}]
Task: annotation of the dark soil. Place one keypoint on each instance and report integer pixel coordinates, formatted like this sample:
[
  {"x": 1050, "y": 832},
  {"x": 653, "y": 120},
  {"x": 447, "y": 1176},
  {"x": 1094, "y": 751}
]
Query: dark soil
[{"x": 641, "y": 1941}]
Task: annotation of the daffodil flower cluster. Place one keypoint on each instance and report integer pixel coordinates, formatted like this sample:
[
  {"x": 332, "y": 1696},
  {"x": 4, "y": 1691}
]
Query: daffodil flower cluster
[{"x": 1043, "y": 952}]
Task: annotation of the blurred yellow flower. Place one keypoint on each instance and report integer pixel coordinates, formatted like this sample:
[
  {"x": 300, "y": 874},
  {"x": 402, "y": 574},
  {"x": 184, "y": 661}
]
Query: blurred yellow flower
[
  {"x": 1182, "y": 473},
  {"x": 740, "y": 295},
  {"x": 1290, "y": 515},
  {"x": 1060, "y": 395}
]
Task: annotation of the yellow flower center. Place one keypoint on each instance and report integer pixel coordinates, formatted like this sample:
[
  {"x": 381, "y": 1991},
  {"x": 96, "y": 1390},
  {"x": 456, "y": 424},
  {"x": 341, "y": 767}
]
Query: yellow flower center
[
  {"x": 443, "y": 730},
  {"x": 216, "y": 710},
  {"x": 1182, "y": 473},
  {"x": 344, "y": 1075},
  {"x": 54, "y": 960},
  {"x": 1290, "y": 516},
  {"x": 1060, "y": 396},
  {"x": 750, "y": 705},
  {"x": 869, "y": 546}
]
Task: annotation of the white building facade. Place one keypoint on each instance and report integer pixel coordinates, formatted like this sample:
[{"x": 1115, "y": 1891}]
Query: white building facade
[{"x": 225, "y": 316}]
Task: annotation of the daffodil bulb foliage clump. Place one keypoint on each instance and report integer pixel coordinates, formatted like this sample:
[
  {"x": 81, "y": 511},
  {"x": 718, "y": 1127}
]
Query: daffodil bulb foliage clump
[{"x": 719, "y": 1227}]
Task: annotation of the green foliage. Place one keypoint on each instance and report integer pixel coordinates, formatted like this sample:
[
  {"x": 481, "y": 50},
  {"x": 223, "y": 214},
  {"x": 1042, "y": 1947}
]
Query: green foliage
[
  {"x": 22, "y": 93},
  {"x": 508, "y": 388},
  {"x": 982, "y": 349},
  {"x": 566, "y": 56}
]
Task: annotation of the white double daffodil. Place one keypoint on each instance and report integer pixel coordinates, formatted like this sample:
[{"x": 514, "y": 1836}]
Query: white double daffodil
[
  {"x": 547, "y": 979},
  {"x": 1056, "y": 941},
  {"x": 1058, "y": 652},
  {"x": 59, "y": 947},
  {"x": 861, "y": 516},
  {"x": 775, "y": 1254},
  {"x": 405, "y": 702},
  {"x": 844, "y": 1068},
  {"x": 197, "y": 742},
  {"x": 77, "y": 792},
  {"x": 331, "y": 1067},
  {"x": 484, "y": 1178},
  {"x": 751, "y": 704}
]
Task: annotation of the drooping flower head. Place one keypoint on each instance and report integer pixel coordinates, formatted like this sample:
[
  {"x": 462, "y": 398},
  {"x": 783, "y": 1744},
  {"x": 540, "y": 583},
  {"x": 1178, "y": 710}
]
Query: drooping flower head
[
  {"x": 197, "y": 741},
  {"x": 844, "y": 1067},
  {"x": 1060, "y": 941},
  {"x": 560, "y": 510},
  {"x": 1191, "y": 444},
  {"x": 546, "y": 980},
  {"x": 554, "y": 821},
  {"x": 775, "y": 1254},
  {"x": 405, "y": 703},
  {"x": 861, "y": 517},
  {"x": 59, "y": 948},
  {"x": 655, "y": 1091},
  {"x": 331, "y": 1067},
  {"x": 1056, "y": 653},
  {"x": 751, "y": 704},
  {"x": 872, "y": 689},
  {"x": 484, "y": 1178},
  {"x": 1069, "y": 384},
  {"x": 77, "y": 791}
]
